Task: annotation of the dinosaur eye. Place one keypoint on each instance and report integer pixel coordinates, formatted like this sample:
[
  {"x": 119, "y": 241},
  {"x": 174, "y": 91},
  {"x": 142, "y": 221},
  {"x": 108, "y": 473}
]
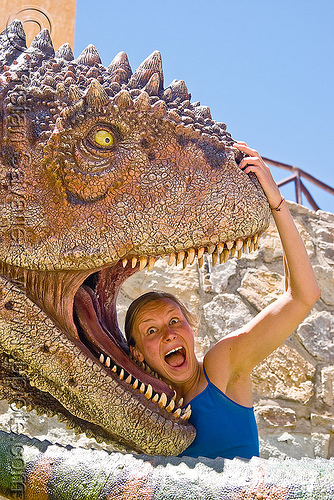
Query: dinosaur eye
[{"x": 104, "y": 138}]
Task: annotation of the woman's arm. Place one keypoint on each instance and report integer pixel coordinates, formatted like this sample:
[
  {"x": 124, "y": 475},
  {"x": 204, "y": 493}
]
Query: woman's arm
[{"x": 265, "y": 332}]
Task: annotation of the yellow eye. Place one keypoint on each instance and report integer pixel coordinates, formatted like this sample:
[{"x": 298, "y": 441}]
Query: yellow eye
[{"x": 104, "y": 138}]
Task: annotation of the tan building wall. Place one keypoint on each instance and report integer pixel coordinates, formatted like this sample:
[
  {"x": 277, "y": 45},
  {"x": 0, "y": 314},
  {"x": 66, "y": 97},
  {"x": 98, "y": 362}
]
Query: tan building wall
[{"x": 58, "y": 16}]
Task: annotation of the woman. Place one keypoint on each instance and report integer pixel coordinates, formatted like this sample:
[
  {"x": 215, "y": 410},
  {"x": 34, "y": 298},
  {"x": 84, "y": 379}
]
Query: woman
[{"x": 159, "y": 331}]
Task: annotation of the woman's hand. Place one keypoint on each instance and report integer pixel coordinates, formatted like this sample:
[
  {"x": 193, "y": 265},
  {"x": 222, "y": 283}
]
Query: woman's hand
[{"x": 254, "y": 163}]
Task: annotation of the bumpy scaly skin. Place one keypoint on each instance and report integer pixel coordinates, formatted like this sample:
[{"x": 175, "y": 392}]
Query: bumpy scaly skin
[
  {"x": 33, "y": 469},
  {"x": 75, "y": 208}
]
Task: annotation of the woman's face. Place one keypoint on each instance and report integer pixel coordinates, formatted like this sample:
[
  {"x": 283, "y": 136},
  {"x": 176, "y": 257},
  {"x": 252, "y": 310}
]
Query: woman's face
[{"x": 165, "y": 340}]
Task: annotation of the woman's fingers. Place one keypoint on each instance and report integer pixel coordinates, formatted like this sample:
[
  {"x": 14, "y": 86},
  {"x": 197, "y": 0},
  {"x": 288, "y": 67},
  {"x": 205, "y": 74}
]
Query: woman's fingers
[
  {"x": 242, "y": 146},
  {"x": 250, "y": 160},
  {"x": 254, "y": 163}
]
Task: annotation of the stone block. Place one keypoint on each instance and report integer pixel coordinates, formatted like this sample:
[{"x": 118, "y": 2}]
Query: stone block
[
  {"x": 275, "y": 416},
  {"x": 327, "y": 385},
  {"x": 220, "y": 275},
  {"x": 260, "y": 288},
  {"x": 288, "y": 444},
  {"x": 326, "y": 421},
  {"x": 225, "y": 313},
  {"x": 284, "y": 374},
  {"x": 325, "y": 277},
  {"x": 316, "y": 333}
]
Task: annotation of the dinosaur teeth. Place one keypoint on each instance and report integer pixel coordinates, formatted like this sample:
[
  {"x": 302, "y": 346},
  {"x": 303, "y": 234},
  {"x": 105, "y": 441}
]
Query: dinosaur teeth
[
  {"x": 180, "y": 403},
  {"x": 187, "y": 413},
  {"x": 142, "y": 263},
  {"x": 151, "y": 262},
  {"x": 177, "y": 412},
  {"x": 163, "y": 400},
  {"x": 191, "y": 255},
  {"x": 121, "y": 375},
  {"x": 149, "y": 392},
  {"x": 142, "y": 388},
  {"x": 171, "y": 259},
  {"x": 134, "y": 262},
  {"x": 171, "y": 406},
  {"x": 200, "y": 252},
  {"x": 107, "y": 362},
  {"x": 180, "y": 257},
  {"x": 238, "y": 244},
  {"x": 124, "y": 262},
  {"x": 135, "y": 384},
  {"x": 102, "y": 358}
]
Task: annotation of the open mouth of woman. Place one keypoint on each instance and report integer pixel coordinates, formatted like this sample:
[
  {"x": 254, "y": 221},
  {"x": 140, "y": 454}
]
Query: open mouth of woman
[{"x": 176, "y": 357}]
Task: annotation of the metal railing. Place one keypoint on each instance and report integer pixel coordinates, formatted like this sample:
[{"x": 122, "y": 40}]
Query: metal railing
[{"x": 300, "y": 187}]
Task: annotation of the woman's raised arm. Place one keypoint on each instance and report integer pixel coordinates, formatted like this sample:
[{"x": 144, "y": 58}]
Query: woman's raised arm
[{"x": 265, "y": 332}]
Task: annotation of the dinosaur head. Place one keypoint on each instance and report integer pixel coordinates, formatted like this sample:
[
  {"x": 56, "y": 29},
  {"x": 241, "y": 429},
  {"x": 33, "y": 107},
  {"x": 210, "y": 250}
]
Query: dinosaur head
[{"x": 103, "y": 171}]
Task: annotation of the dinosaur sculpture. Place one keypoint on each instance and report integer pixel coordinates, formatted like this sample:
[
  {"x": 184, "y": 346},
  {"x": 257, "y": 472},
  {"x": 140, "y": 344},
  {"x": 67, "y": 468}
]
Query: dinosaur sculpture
[
  {"x": 102, "y": 172},
  {"x": 34, "y": 469}
]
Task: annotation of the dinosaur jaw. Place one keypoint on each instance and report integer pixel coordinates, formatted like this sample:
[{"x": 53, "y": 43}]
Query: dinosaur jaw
[{"x": 83, "y": 303}]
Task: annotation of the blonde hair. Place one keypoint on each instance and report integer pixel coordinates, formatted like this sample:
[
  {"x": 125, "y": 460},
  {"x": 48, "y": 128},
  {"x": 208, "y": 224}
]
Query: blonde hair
[{"x": 144, "y": 299}]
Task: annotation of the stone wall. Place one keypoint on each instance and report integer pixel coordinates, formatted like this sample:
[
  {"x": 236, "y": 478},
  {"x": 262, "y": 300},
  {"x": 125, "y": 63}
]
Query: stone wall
[{"x": 294, "y": 386}]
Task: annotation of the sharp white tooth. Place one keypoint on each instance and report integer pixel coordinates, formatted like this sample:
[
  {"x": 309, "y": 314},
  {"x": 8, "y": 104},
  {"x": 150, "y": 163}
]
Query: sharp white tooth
[
  {"x": 229, "y": 244},
  {"x": 187, "y": 413},
  {"x": 220, "y": 247},
  {"x": 107, "y": 362},
  {"x": 135, "y": 384},
  {"x": 114, "y": 369},
  {"x": 171, "y": 406},
  {"x": 101, "y": 358},
  {"x": 155, "y": 398},
  {"x": 239, "y": 253},
  {"x": 226, "y": 255},
  {"x": 185, "y": 262},
  {"x": 163, "y": 400},
  {"x": 232, "y": 252},
  {"x": 244, "y": 246},
  {"x": 177, "y": 412},
  {"x": 256, "y": 244},
  {"x": 191, "y": 255},
  {"x": 128, "y": 380},
  {"x": 174, "y": 396},
  {"x": 142, "y": 388},
  {"x": 180, "y": 403},
  {"x": 149, "y": 392},
  {"x": 151, "y": 262},
  {"x": 134, "y": 262},
  {"x": 200, "y": 252},
  {"x": 238, "y": 244},
  {"x": 180, "y": 257},
  {"x": 200, "y": 262},
  {"x": 124, "y": 262},
  {"x": 142, "y": 263},
  {"x": 211, "y": 249},
  {"x": 214, "y": 259},
  {"x": 121, "y": 375},
  {"x": 171, "y": 259}
]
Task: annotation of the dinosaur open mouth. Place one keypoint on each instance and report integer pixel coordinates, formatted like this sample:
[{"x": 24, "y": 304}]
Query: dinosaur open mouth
[{"x": 95, "y": 316}]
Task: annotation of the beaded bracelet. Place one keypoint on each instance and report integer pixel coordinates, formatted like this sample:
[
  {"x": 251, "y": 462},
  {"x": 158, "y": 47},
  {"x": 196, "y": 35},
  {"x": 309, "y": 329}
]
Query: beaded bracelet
[{"x": 278, "y": 209}]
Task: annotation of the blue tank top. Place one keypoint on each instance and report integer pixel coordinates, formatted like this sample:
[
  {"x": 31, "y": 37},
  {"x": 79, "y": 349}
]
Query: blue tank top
[{"x": 224, "y": 428}]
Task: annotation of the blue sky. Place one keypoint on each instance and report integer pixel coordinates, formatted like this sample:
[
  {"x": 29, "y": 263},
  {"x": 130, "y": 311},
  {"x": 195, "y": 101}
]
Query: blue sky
[{"x": 265, "y": 67}]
